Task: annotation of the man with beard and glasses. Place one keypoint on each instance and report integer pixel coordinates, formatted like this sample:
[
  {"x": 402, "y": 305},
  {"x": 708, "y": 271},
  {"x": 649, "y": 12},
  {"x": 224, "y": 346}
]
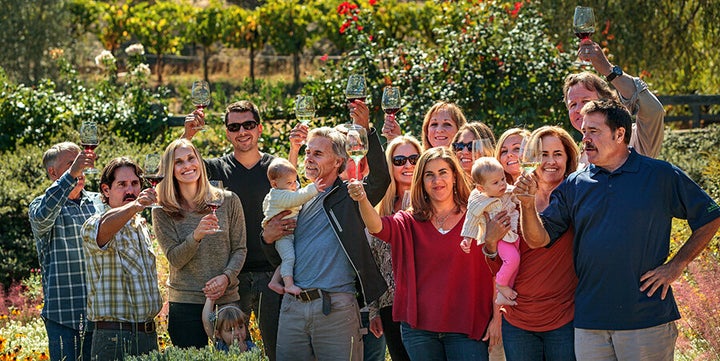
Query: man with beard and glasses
[
  {"x": 621, "y": 208},
  {"x": 123, "y": 294}
]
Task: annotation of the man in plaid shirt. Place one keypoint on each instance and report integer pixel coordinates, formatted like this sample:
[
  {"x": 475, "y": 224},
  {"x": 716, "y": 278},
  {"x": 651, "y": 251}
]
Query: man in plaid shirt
[{"x": 56, "y": 218}]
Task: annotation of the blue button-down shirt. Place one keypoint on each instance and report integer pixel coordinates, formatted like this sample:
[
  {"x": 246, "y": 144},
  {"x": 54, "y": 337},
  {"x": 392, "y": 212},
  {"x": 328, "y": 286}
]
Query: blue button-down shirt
[{"x": 56, "y": 222}]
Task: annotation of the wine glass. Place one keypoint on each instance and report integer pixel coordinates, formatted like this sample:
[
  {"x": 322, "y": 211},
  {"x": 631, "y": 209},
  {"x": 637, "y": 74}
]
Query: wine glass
[
  {"x": 152, "y": 173},
  {"x": 584, "y": 24},
  {"x": 530, "y": 154},
  {"x": 215, "y": 198},
  {"x": 406, "y": 200},
  {"x": 356, "y": 145},
  {"x": 89, "y": 140},
  {"x": 356, "y": 88},
  {"x": 304, "y": 108},
  {"x": 200, "y": 96},
  {"x": 481, "y": 148},
  {"x": 391, "y": 100}
]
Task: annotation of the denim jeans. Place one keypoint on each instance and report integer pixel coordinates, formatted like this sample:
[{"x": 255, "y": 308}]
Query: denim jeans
[
  {"x": 256, "y": 296},
  {"x": 65, "y": 343},
  {"x": 427, "y": 345},
  {"x": 111, "y": 345},
  {"x": 522, "y": 345},
  {"x": 373, "y": 347}
]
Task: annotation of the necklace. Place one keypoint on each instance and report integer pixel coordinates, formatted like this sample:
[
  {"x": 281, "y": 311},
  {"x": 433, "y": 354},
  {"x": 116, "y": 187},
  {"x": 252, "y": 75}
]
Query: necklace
[{"x": 440, "y": 222}]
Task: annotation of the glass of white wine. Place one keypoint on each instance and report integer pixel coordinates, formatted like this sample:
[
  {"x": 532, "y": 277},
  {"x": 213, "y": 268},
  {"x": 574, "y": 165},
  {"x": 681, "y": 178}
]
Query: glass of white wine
[
  {"x": 530, "y": 154},
  {"x": 356, "y": 145},
  {"x": 304, "y": 108}
]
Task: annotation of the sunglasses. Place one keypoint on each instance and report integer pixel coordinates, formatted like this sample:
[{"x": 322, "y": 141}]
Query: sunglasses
[
  {"x": 249, "y": 125},
  {"x": 460, "y": 145},
  {"x": 399, "y": 160}
]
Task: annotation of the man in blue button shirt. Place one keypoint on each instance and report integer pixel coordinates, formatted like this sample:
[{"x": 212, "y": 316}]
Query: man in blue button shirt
[
  {"x": 56, "y": 218},
  {"x": 621, "y": 208}
]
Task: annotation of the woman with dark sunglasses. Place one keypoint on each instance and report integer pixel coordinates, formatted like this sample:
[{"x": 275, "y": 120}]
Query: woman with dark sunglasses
[{"x": 462, "y": 143}]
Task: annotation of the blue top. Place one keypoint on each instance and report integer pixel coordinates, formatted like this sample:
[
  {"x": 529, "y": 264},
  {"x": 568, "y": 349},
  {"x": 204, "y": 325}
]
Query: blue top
[
  {"x": 320, "y": 260},
  {"x": 622, "y": 224},
  {"x": 220, "y": 345},
  {"x": 56, "y": 223}
]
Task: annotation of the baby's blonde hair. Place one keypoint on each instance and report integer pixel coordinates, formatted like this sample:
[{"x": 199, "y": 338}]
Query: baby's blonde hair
[
  {"x": 483, "y": 166},
  {"x": 280, "y": 167}
]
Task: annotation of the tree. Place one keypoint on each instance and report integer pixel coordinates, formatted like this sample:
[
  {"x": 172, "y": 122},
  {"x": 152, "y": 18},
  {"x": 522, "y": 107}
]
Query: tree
[
  {"x": 242, "y": 30},
  {"x": 114, "y": 24},
  {"x": 206, "y": 28}
]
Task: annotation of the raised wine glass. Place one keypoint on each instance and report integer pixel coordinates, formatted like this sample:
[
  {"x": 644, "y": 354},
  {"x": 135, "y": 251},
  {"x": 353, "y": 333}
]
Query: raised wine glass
[
  {"x": 530, "y": 154},
  {"x": 481, "y": 148},
  {"x": 584, "y": 24},
  {"x": 89, "y": 140},
  {"x": 356, "y": 89},
  {"x": 152, "y": 173},
  {"x": 215, "y": 198},
  {"x": 200, "y": 96},
  {"x": 391, "y": 101},
  {"x": 356, "y": 145},
  {"x": 304, "y": 108}
]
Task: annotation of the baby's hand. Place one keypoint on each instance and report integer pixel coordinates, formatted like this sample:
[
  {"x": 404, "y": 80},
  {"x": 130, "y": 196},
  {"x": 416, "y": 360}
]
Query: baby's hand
[
  {"x": 320, "y": 185},
  {"x": 465, "y": 244}
]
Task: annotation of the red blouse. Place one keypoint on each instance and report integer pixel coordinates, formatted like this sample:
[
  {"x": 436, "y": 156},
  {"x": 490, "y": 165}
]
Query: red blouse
[{"x": 438, "y": 287}]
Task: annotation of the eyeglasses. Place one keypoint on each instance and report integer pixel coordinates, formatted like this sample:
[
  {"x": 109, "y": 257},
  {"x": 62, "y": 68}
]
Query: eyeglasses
[
  {"x": 249, "y": 125},
  {"x": 460, "y": 145},
  {"x": 400, "y": 160}
]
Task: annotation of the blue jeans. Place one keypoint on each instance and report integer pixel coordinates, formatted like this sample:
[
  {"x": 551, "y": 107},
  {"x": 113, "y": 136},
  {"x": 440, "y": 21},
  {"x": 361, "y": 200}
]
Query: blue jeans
[
  {"x": 116, "y": 344},
  {"x": 65, "y": 343},
  {"x": 428, "y": 345},
  {"x": 522, "y": 345},
  {"x": 373, "y": 347}
]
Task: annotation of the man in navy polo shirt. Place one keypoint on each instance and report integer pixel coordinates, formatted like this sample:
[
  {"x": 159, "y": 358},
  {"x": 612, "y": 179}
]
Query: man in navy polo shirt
[{"x": 621, "y": 208}]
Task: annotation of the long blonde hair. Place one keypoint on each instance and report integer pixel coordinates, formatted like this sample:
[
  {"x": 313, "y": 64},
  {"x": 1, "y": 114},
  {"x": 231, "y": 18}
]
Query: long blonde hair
[
  {"x": 455, "y": 113},
  {"x": 387, "y": 203},
  {"x": 509, "y": 133},
  {"x": 168, "y": 190},
  {"x": 422, "y": 207}
]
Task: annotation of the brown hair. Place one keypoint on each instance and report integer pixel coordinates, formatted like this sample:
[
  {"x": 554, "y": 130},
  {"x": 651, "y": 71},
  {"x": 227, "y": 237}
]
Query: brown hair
[
  {"x": 455, "y": 113},
  {"x": 107, "y": 176},
  {"x": 482, "y": 166},
  {"x": 422, "y": 207},
  {"x": 616, "y": 115},
  {"x": 571, "y": 149},
  {"x": 280, "y": 167},
  {"x": 243, "y": 106},
  {"x": 591, "y": 82}
]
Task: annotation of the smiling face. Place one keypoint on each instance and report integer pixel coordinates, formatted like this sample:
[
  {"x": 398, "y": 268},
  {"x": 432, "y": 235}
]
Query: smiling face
[
  {"x": 577, "y": 96},
  {"x": 465, "y": 155},
  {"x": 186, "y": 165},
  {"x": 243, "y": 140},
  {"x": 440, "y": 129},
  {"x": 438, "y": 181},
  {"x": 510, "y": 154},
  {"x": 320, "y": 160},
  {"x": 554, "y": 160},
  {"x": 603, "y": 146},
  {"x": 403, "y": 174},
  {"x": 124, "y": 189}
]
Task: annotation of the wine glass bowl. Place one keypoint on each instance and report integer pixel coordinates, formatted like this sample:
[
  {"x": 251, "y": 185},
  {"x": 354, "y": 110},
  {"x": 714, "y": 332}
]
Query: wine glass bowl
[
  {"x": 215, "y": 198},
  {"x": 481, "y": 148},
  {"x": 200, "y": 96},
  {"x": 89, "y": 140},
  {"x": 152, "y": 173},
  {"x": 356, "y": 88},
  {"x": 530, "y": 154},
  {"x": 391, "y": 100},
  {"x": 356, "y": 145},
  {"x": 584, "y": 24},
  {"x": 304, "y": 108}
]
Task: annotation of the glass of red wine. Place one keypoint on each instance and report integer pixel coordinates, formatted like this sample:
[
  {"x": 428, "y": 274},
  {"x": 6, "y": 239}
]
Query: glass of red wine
[
  {"x": 215, "y": 198},
  {"x": 356, "y": 89},
  {"x": 152, "y": 173},
  {"x": 584, "y": 24},
  {"x": 200, "y": 95},
  {"x": 391, "y": 100},
  {"x": 89, "y": 140}
]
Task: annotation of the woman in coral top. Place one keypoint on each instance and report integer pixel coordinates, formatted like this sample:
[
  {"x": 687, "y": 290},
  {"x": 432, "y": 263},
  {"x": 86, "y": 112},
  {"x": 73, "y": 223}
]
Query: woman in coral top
[
  {"x": 443, "y": 297},
  {"x": 540, "y": 326}
]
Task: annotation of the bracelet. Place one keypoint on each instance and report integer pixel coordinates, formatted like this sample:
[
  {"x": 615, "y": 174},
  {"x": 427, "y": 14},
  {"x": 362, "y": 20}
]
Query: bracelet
[{"x": 489, "y": 255}]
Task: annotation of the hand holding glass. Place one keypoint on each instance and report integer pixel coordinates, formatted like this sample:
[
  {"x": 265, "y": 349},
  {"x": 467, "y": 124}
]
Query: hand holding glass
[
  {"x": 584, "y": 24},
  {"x": 200, "y": 96},
  {"x": 356, "y": 89},
  {"x": 356, "y": 145},
  {"x": 89, "y": 140},
  {"x": 152, "y": 173},
  {"x": 215, "y": 198}
]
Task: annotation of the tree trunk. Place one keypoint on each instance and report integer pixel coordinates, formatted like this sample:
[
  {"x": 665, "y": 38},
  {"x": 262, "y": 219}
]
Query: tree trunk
[
  {"x": 205, "y": 59},
  {"x": 296, "y": 70},
  {"x": 252, "y": 66}
]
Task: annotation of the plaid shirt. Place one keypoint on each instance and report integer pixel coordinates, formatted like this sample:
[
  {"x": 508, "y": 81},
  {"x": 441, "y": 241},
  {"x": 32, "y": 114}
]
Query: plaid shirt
[
  {"x": 122, "y": 275},
  {"x": 56, "y": 223}
]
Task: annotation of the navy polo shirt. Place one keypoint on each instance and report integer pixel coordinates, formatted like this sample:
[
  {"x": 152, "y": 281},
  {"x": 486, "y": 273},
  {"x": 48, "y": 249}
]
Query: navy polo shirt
[{"x": 622, "y": 224}]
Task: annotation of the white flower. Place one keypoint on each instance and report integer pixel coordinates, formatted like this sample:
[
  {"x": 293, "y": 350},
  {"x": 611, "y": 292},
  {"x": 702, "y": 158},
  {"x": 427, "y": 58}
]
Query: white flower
[
  {"x": 135, "y": 49},
  {"x": 142, "y": 70},
  {"x": 104, "y": 59}
]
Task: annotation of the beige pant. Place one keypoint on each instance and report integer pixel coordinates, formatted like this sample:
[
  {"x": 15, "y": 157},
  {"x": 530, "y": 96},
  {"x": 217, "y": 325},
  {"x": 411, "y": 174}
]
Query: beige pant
[{"x": 646, "y": 344}]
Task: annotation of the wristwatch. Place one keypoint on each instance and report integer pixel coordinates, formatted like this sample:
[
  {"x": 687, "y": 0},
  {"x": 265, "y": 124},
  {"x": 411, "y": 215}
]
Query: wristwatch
[{"x": 616, "y": 72}]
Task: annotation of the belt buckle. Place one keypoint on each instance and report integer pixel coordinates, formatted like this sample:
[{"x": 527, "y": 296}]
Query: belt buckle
[
  {"x": 304, "y": 296},
  {"x": 149, "y": 326}
]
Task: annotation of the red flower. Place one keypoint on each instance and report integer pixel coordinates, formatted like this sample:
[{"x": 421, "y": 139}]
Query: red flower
[
  {"x": 515, "y": 11},
  {"x": 359, "y": 28},
  {"x": 370, "y": 38},
  {"x": 344, "y": 27},
  {"x": 344, "y": 8},
  {"x": 607, "y": 27},
  {"x": 372, "y": 2},
  {"x": 324, "y": 57}
]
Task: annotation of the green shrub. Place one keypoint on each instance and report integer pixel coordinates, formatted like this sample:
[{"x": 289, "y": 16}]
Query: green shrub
[{"x": 204, "y": 354}]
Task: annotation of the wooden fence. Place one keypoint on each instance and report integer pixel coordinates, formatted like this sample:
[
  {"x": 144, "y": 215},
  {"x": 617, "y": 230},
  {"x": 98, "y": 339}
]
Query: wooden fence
[{"x": 692, "y": 111}]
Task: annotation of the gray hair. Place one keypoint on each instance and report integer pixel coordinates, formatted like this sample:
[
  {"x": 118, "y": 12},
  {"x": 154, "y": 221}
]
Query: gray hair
[
  {"x": 338, "y": 142},
  {"x": 51, "y": 155}
]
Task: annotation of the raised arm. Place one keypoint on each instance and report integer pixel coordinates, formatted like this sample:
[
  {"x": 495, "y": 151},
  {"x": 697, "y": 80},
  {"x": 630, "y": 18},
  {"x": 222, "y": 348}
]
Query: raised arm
[
  {"x": 532, "y": 227},
  {"x": 114, "y": 219},
  {"x": 208, "y": 309},
  {"x": 369, "y": 215}
]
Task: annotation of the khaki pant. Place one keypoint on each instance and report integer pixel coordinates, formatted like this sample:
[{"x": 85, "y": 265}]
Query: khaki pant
[{"x": 646, "y": 344}]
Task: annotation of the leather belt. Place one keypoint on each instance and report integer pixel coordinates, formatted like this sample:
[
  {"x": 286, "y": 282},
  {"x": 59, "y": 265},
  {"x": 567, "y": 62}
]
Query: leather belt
[
  {"x": 309, "y": 295},
  {"x": 147, "y": 327}
]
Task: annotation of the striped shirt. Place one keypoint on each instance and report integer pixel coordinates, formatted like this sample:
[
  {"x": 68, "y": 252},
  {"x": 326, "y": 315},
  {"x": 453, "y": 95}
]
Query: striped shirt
[
  {"x": 122, "y": 275},
  {"x": 56, "y": 221}
]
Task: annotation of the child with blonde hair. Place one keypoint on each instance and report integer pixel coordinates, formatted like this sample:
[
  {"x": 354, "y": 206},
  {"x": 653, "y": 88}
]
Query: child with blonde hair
[
  {"x": 491, "y": 195},
  {"x": 285, "y": 195},
  {"x": 227, "y": 326}
]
